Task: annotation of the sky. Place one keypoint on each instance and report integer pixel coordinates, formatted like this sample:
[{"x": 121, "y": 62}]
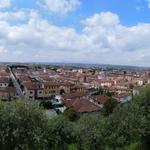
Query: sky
[{"x": 75, "y": 31}]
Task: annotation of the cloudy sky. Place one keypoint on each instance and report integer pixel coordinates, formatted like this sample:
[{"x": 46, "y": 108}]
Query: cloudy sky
[{"x": 81, "y": 31}]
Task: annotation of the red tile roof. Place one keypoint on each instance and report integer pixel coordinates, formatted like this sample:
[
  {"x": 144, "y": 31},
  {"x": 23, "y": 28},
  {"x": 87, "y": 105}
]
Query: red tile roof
[
  {"x": 8, "y": 90},
  {"x": 82, "y": 105},
  {"x": 4, "y": 80},
  {"x": 100, "y": 98},
  {"x": 73, "y": 95},
  {"x": 32, "y": 86}
]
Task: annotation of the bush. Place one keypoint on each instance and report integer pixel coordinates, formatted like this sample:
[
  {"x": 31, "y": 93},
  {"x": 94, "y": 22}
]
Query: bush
[
  {"x": 23, "y": 126},
  {"x": 46, "y": 105},
  {"x": 71, "y": 114},
  {"x": 109, "y": 106}
]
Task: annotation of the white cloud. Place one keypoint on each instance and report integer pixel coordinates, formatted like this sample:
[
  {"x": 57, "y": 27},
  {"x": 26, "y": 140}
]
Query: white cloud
[
  {"x": 103, "y": 39},
  {"x": 102, "y": 19},
  {"x": 12, "y": 15},
  {"x": 18, "y": 52},
  {"x": 18, "y": 15},
  {"x": 3, "y": 49},
  {"x": 60, "y": 6},
  {"x": 5, "y": 3}
]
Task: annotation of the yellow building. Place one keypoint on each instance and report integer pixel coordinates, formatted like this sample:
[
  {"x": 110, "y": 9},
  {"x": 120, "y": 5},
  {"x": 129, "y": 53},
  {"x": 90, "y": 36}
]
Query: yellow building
[{"x": 56, "y": 88}]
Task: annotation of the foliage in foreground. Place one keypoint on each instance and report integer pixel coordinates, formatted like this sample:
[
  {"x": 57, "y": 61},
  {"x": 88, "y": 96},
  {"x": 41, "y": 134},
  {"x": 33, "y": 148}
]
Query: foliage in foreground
[
  {"x": 109, "y": 107},
  {"x": 24, "y": 126}
]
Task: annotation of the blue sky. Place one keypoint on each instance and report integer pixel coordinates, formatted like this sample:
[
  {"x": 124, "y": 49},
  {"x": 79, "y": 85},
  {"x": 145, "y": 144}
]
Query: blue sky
[
  {"x": 84, "y": 31},
  {"x": 130, "y": 12}
]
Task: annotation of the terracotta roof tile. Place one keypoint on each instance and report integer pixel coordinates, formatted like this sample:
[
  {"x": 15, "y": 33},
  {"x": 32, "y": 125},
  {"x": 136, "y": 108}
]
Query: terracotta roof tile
[{"x": 82, "y": 105}]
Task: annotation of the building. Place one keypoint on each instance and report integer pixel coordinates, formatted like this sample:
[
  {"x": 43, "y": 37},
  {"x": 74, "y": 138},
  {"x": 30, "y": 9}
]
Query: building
[
  {"x": 82, "y": 106},
  {"x": 4, "y": 82},
  {"x": 7, "y": 93},
  {"x": 99, "y": 99},
  {"x": 37, "y": 90},
  {"x": 123, "y": 97}
]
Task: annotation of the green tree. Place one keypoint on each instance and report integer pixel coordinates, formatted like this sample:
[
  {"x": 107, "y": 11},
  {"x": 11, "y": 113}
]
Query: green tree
[
  {"x": 60, "y": 133},
  {"x": 133, "y": 146},
  {"x": 89, "y": 132},
  {"x": 23, "y": 126},
  {"x": 109, "y": 106},
  {"x": 46, "y": 105},
  {"x": 130, "y": 122},
  {"x": 71, "y": 114},
  {"x": 143, "y": 101},
  {"x": 110, "y": 94},
  {"x": 73, "y": 147},
  {"x": 99, "y": 92}
]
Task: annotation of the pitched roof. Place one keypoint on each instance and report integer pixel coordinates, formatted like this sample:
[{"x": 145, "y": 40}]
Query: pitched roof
[
  {"x": 122, "y": 95},
  {"x": 8, "y": 90},
  {"x": 32, "y": 85},
  {"x": 100, "y": 98},
  {"x": 4, "y": 80},
  {"x": 82, "y": 105},
  {"x": 57, "y": 84},
  {"x": 76, "y": 95}
]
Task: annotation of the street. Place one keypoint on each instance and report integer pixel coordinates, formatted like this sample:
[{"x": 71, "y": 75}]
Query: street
[{"x": 16, "y": 84}]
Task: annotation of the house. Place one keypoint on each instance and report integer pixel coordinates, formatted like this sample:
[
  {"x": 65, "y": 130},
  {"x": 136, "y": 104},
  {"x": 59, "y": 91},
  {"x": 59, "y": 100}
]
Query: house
[
  {"x": 98, "y": 83},
  {"x": 78, "y": 95},
  {"x": 4, "y": 82},
  {"x": 4, "y": 72},
  {"x": 123, "y": 97},
  {"x": 7, "y": 93},
  {"x": 33, "y": 90},
  {"x": 99, "y": 99},
  {"x": 51, "y": 88},
  {"x": 79, "y": 88},
  {"x": 82, "y": 106},
  {"x": 38, "y": 90},
  {"x": 116, "y": 90},
  {"x": 140, "y": 82}
]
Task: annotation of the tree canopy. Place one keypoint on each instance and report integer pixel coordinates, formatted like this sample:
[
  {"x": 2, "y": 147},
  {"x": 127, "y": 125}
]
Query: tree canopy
[
  {"x": 109, "y": 107},
  {"x": 25, "y": 126}
]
